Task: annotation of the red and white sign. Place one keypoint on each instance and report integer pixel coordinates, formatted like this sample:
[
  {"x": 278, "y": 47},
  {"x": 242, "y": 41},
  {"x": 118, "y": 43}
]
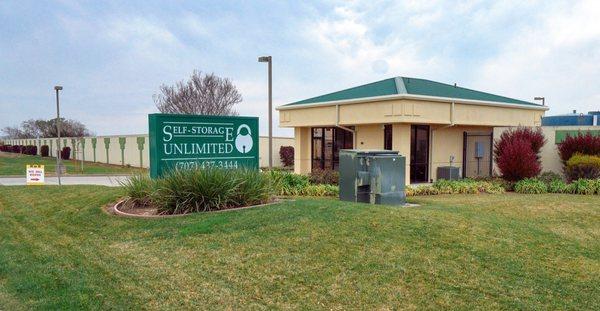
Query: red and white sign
[{"x": 35, "y": 174}]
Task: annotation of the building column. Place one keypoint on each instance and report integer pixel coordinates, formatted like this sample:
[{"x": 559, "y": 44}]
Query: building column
[
  {"x": 302, "y": 150},
  {"x": 401, "y": 143}
]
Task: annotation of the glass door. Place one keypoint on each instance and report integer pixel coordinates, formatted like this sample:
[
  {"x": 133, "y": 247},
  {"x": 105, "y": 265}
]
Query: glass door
[{"x": 419, "y": 153}]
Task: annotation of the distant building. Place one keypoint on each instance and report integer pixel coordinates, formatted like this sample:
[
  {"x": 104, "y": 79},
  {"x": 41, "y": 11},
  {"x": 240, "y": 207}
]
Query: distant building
[{"x": 572, "y": 119}]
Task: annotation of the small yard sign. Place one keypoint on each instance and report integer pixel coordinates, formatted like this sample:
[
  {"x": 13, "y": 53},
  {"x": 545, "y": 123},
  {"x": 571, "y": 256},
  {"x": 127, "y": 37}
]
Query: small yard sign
[
  {"x": 35, "y": 175},
  {"x": 192, "y": 141}
]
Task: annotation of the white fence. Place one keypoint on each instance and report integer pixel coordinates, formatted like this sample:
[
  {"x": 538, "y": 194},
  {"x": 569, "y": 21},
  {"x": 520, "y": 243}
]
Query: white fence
[{"x": 130, "y": 150}]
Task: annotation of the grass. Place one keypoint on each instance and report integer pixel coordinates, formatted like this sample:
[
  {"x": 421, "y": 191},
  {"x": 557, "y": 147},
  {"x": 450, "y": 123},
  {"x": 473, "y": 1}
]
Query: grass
[
  {"x": 15, "y": 164},
  {"x": 59, "y": 250}
]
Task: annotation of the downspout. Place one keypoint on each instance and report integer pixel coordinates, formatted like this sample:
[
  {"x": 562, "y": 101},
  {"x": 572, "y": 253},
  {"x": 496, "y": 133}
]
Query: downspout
[
  {"x": 432, "y": 137},
  {"x": 337, "y": 124}
]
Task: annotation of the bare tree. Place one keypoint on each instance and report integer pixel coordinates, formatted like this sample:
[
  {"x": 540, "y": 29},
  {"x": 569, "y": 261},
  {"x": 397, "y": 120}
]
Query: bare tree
[
  {"x": 46, "y": 128},
  {"x": 13, "y": 132},
  {"x": 204, "y": 94}
]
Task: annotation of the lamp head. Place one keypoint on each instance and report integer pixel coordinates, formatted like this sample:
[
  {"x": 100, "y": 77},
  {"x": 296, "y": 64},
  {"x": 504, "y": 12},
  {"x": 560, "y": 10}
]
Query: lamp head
[
  {"x": 264, "y": 59},
  {"x": 58, "y": 88}
]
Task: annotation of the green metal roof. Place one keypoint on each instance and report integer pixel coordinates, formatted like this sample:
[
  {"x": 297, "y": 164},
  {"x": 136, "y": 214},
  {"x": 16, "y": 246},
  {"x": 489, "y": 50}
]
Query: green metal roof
[{"x": 412, "y": 86}]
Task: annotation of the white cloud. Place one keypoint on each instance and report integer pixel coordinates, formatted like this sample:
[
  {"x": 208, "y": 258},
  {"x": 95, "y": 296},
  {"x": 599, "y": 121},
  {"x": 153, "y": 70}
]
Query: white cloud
[{"x": 558, "y": 58}]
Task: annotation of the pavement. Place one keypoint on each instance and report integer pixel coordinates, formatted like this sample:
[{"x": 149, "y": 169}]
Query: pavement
[{"x": 100, "y": 180}]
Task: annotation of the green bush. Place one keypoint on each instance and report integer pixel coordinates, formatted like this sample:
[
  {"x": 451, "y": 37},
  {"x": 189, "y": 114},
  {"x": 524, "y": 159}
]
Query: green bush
[
  {"x": 188, "y": 191},
  {"x": 581, "y": 166},
  {"x": 548, "y": 177},
  {"x": 557, "y": 186},
  {"x": 287, "y": 183},
  {"x": 467, "y": 186},
  {"x": 584, "y": 186},
  {"x": 322, "y": 190},
  {"x": 424, "y": 190},
  {"x": 139, "y": 189},
  {"x": 531, "y": 186}
]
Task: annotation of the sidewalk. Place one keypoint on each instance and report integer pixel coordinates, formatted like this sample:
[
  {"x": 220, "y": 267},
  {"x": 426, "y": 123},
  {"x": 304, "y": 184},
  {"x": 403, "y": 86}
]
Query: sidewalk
[{"x": 101, "y": 180}]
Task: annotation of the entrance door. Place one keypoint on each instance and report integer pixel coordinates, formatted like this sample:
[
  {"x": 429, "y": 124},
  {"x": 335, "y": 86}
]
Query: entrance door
[{"x": 419, "y": 153}]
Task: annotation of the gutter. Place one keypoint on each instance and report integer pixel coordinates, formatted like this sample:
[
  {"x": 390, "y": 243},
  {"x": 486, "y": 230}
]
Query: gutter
[
  {"x": 337, "y": 124},
  {"x": 416, "y": 97}
]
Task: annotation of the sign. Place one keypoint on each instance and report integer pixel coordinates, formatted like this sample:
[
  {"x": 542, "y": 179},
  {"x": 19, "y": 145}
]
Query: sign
[
  {"x": 196, "y": 142},
  {"x": 35, "y": 175}
]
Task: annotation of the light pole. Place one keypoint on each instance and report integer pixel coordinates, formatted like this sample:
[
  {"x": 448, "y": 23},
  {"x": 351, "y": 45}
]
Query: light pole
[
  {"x": 543, "y": 99},
  {"x": 58, "y": 164},
  {"x": 268, "y": 59}
]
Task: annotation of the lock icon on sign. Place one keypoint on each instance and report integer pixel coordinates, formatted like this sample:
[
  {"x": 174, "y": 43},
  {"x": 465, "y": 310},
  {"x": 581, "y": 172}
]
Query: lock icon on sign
[{"x": 243, "y": 143}]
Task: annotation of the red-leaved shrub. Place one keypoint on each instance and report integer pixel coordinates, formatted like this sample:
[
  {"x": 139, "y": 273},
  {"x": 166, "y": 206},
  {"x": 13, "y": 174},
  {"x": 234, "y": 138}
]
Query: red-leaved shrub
[
  {"x": 582, "y": 143},
  {"x": 286, "y": 154},
  {"x": 44, "y": 151},
  {"x": 517, "y": 153},
  {"x": 29, "y": 150},
  {"x": 65, "y": 153}
]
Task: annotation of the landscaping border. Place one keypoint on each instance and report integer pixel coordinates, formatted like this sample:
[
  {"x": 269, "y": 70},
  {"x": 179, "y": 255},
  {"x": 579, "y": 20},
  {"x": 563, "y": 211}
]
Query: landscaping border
[{"x": 114, "y": 209}]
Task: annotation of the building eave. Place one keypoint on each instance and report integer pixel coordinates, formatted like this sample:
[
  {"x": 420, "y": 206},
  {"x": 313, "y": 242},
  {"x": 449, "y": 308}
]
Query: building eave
[{"x": 412, "y": 96}]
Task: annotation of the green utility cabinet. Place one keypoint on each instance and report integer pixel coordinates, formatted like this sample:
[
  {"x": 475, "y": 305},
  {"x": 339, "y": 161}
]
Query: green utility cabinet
[{"x": 372, "y": 176}]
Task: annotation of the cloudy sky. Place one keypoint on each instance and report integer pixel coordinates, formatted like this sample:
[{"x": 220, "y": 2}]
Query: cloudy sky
[{"x": 111, "y": 56}]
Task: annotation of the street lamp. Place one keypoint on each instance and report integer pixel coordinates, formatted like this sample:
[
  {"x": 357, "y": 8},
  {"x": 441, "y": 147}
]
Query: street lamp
[
  {"x": 58, "y": 164},
  {"x": 543, "y": 99},
  {"x": 268, "y": 59}
]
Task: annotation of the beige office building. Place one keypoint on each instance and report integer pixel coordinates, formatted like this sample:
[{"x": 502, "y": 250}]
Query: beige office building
[{"x": 433, "y": 124}]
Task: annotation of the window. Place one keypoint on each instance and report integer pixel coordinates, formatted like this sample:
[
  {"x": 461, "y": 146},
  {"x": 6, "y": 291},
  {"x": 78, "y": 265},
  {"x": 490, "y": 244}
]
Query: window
[
  {"x": 326, "y": 145},
  {"x": 387, "y": 137}
]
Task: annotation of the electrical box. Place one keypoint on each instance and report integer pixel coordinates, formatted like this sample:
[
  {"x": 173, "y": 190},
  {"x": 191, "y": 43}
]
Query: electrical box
[
  {"x": 372, "y": 176},
  {"x": 479, "y": 151}
]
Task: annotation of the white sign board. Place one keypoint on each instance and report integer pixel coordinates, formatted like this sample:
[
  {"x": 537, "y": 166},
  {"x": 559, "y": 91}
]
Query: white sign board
[{"x": 35, "y": 174}]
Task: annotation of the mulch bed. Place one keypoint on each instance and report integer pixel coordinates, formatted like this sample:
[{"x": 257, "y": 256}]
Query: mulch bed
[{"x": 127, "y": 208}]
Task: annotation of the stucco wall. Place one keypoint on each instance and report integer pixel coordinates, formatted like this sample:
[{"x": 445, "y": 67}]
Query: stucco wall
[
  {"x": 448, "y": 141},
  {"x": 444, "y": 142},
  {"x": 411, "y": 111},
  {"x": 549, "y": 153},
  {"x": 125, "y": 150}
]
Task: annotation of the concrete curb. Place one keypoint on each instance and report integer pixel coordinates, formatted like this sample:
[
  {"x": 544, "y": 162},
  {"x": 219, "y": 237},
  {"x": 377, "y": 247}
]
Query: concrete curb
[{"x": 115, "y": 209}]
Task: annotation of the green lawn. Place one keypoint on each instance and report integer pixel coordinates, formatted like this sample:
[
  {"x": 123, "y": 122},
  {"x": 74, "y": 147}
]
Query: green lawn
[
  {"x": 59, "y": 250},
  {"x": 14, "y": 164}
]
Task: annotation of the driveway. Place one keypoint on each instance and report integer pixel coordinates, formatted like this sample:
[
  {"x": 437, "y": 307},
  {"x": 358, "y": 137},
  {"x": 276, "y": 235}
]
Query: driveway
[{"x": 111, "y": 181}]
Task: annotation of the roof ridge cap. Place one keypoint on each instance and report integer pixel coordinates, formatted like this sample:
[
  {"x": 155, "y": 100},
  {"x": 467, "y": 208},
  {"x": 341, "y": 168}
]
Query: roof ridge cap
[{"x": 400, "y": 87}]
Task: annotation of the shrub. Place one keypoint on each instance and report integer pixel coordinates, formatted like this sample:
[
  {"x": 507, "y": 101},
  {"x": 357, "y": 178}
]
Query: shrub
[
  {"x": 518, "y": 161},
  {"x": 321, "y": 190},
  {"x": 531, "y": 186},
  {"x": 582, "y": 166},
  {"x": 287, "y": 183},
  {"x": 6, "y": 148},
  {"x": 29, "y": 150},
  {"x": 319, "y": 176},
  {"x": 286, "y": 154},
  {"x": 463, "y": 186},
  {"x": 187, "y": 191},
  {"x": 582, "y": 143},
  {"x": 517, "y": 153},
  {"x": 65, "y": 153},
  {"x": 557, "y": 186},
  {"x": 584, "y": 186},
  {"x": 45, "y": 150},
  {"x": 139, "y": 189},
  {"x": 548, "y": 177}
]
